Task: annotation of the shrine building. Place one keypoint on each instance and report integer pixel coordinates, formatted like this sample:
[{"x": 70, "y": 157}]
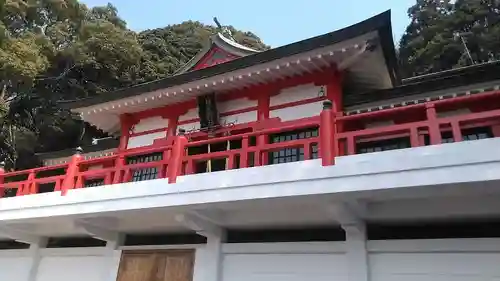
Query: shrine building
[{"x": 310, "y": 161}]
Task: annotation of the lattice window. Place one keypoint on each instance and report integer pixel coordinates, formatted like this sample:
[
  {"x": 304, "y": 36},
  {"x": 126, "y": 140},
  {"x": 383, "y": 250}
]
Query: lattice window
[
  {"x": 146, "y": 173},
  {"x": 467, "y": 135},
  {"x": 383, "y": 145},
  {"x": 94, "y": 183},
  {"x": 292, "y": 154}
]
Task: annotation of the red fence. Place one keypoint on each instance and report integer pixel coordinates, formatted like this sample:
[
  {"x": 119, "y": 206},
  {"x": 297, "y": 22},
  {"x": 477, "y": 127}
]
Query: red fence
[{"x": 338, "y": 136}]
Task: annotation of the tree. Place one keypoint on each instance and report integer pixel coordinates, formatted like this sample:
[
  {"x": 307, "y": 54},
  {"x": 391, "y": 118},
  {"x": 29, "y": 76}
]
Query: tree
[
  {"x": 172, "y": 46},
  {"x": 434, "y": 39},
  {"x": 54, "y": 50},
  {"x": 425, "y": 38}
]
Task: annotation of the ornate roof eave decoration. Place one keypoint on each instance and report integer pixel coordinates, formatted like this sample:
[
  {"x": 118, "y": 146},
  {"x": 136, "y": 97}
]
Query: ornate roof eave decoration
[
  {"x": 220, "y": 41},
  {"x": 380, "y": 24}
]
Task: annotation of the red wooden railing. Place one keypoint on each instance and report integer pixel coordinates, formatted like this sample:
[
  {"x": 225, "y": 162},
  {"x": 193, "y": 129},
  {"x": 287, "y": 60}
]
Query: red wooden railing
[{"x": 338, "y": 136}]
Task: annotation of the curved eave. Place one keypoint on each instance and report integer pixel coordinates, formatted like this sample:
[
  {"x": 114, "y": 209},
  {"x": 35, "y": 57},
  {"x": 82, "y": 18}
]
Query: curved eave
[
  {"x": 217, "y": 40},
  {"x": 380, "y": 24},
  {"x": 233, "y": 46}
]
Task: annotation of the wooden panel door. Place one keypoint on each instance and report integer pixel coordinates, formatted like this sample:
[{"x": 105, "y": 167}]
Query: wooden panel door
[{"x": 156, "y": 266}]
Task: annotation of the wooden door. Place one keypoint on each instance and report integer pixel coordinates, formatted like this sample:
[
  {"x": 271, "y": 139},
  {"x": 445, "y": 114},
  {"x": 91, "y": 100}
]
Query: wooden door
[{"x": 156, "y": 266}]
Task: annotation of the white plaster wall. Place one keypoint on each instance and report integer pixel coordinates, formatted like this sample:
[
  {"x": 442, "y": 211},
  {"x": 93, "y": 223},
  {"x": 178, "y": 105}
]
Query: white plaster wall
[
  {"x": 149, "y": 124},
  {"x": 297, "y": 93},
  {"x": 189, "y": 126},
  {"x": 297, "y": 112},
  {"x": 14, "y": 267},
  {"x": 145, "y": 140},
  {"x": 236, "y": 104},
  {"x": 239, "y": 118},
  {"x": 191, "y": 114}
]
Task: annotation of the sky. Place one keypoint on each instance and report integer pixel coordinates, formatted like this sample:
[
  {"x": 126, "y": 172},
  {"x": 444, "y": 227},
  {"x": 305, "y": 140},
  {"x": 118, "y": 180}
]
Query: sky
[{"x": 276, "y": 22}]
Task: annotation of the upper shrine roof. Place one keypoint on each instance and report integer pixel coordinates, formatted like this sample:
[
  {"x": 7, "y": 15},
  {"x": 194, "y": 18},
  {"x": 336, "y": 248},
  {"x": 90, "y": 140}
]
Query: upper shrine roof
[
  {"x": 219, "y": 50},
  {"x": 364, "y": 52}
]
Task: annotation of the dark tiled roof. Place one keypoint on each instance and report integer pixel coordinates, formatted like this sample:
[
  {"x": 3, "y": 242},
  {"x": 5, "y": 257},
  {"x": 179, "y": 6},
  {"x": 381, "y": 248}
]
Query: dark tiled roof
[
  {"x": 380, "y": 23},
  {"x": 432, "y": 82}
]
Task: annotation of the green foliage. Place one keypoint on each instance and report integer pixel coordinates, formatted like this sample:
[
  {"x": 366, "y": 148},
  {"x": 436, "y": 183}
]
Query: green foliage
[
  {"x": 171, "y": 47},
  {"x": 431, "y": 42},
  {"x": 54, "y": 50}
]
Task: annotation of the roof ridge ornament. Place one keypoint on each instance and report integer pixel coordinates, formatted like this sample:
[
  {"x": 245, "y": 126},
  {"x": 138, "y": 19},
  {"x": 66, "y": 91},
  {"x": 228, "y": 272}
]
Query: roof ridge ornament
[{"x": 224, "y": 30}]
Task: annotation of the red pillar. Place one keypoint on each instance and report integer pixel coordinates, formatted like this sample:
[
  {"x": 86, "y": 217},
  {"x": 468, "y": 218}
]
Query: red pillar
[
  {"x": 72, "y": 171},
  {"x": 2, "y": 173},
  {"x": 119, "y": 164},
  {"x": 334, "y": 94},
  {"x": 126, "y": 124},
  {"x": 496, "y": 130},
  {"x": 263, "y": 104},
  {"x": 172, "y": 126},
  {"x": 434, "y": 131},
  {"x": 263, "y": 107},
  {"x": 174, "y": 168},
  {"x": 326, "y": 134}
]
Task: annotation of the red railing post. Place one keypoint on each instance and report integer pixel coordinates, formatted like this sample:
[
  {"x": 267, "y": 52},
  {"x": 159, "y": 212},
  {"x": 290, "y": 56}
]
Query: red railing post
[
  {"x": 2, "y": 172},
  {"x": 31, "y": 186},
  {"x": 174, "y": 168},
  {"x": 119, "y": 164},
  {"x": 71, "y": 172},
  {"x": 326, "y": 134},
  {"x": 434, "y": 131}
]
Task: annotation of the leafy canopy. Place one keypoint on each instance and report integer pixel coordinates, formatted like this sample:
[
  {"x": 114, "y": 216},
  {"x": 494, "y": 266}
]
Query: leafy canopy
[{"x": 433, "y": 39}]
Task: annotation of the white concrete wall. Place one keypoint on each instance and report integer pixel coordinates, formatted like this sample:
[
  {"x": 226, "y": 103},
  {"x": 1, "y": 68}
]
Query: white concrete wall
[
  {"x": 75, "y": 264},
  {"x": 284, "y": 262},
  {"x": 440, "y": 260},
  {"x": 75, "y": 268},
  {"x": 393, "y": 260},
  {"x": 14, "y": 265},
  {"x": 201, "y": 262},
  {"x": 406, "y": 260}
]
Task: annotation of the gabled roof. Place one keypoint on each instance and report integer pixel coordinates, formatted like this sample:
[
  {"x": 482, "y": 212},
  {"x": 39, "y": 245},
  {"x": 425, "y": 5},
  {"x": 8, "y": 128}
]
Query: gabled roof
[{"x": 218, "y": 44}]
